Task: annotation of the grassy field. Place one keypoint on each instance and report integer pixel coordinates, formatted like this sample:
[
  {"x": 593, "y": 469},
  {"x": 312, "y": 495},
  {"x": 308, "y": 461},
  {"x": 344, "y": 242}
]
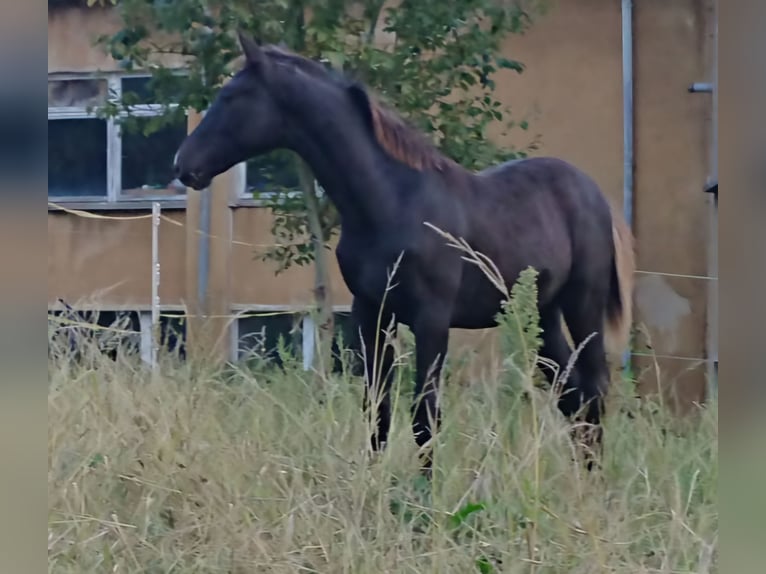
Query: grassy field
[{"x": 267, "y": 470}]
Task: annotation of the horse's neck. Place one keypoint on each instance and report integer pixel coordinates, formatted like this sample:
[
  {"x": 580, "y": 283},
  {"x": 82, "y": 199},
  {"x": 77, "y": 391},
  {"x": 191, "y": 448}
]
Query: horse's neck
[{"x": 350, "y": 167}]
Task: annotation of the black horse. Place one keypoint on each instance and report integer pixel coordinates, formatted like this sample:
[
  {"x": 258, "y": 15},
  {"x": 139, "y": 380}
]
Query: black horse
[{"x": 387, "y": 181}]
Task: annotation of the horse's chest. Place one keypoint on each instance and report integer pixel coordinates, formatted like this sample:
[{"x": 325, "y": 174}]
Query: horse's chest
[{"x": 365, "y": 267}]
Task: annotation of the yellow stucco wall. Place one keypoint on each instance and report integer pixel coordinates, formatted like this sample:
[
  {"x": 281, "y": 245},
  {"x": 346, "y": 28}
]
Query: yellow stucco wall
[{"x": 571, "y": 94}]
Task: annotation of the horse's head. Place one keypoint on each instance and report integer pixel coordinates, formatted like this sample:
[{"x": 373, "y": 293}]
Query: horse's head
[{"x": 244, "y": 120}]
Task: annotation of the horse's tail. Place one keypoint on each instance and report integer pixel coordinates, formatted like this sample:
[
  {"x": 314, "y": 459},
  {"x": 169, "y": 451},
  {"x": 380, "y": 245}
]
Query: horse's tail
[{"x": 619, "y": 309}]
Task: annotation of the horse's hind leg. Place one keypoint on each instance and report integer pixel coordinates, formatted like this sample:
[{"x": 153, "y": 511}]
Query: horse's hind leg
[
  {"x": 584, "y": 313},
  {"x": 569, "y": 387},
  {"x": 555, "y": 346}
]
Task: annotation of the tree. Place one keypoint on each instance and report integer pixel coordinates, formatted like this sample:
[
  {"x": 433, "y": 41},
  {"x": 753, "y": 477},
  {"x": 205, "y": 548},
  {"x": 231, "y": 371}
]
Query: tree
[{"x": 433, "y": 60}]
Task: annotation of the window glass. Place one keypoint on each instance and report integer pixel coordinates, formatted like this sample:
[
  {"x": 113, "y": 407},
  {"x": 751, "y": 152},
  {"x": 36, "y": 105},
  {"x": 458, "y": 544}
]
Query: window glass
[
  {"x": 273, "y": 172},
  {"x": 346, "y": 347},
  {"x": 173, "y": 333},
  {"x": 81, "y": 93},
  {"x": 147, "y": 161},
  {"x": 77, "y": 157},
  {"x": 259, "y": 337},
  {"x": 79, "y": 332},
  {"x": 141, "y": 90},
  {"x": 137, "y": 90}
]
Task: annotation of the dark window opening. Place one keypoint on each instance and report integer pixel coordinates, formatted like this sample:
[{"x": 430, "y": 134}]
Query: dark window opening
[
  {"x": 142, "y": 90},
  {"x": 173, "y": 333},
  {"x": 346, "y": 346},
  {"x": 275, "y": 172},
  {"x": 77, "y": 93},
  {"x": 77, "y": 157},
  {"x": 112, "y": 332},
  {"x": 147, "y": 160},
  {"x": 259, "y": 338}
]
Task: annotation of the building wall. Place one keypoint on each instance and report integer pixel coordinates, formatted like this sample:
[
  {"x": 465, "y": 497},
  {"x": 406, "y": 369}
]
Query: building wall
[
  {"x": 672, "y": 138},
  {"x": 571, "y": 94},
  {"x": 109, "y": 261}
]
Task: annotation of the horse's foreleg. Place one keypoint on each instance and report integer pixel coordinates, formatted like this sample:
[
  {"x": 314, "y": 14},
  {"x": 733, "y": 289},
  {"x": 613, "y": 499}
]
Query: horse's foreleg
[
  {"x": 431, "y": 331},
  {"x": 378, "y": 360}
]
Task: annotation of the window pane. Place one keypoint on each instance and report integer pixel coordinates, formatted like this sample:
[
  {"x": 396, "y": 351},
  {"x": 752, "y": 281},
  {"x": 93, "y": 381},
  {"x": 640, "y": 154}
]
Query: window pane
[
  {"x": 147, "y": 161},
  {"x": 76, "y": 157},
  {"x": 137, "y": 90},
  {"x": 140, "y": 90},
  {"x": 76, "y": 93},
  {"x": 173, "y": 333},
  {"x": 79, "y": 332},
  {"x": 259, "y": 337},
  {"x": 346, "y": 347},
  {"x": 273, "y": 172}
]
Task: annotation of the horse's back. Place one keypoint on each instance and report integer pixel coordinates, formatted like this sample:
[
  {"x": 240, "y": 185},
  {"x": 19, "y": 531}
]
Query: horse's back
[
  {"x": 548, "y": 181},
  {"x": 544, "y": 212}
]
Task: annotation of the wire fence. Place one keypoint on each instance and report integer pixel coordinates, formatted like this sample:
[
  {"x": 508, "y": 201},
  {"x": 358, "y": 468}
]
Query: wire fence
[{"x": 240, "y": 315}]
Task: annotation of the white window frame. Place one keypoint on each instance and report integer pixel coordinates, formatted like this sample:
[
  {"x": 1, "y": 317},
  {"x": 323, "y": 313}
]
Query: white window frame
[{"x": 114, "y": 193}]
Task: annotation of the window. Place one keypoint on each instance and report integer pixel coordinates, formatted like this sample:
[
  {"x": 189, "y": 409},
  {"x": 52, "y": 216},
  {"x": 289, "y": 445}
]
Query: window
[
  {"x": 91, "y": 159},
  {"x": 255, "y": 336},
  {"x": 271, "y": 173},
  {"x": 72, "y": 331},
  {"x": 124, "y": 331},
  {"x": 346, "y": 346},
  {"x": 172, "y": 332},
  {"x": 258, "y": 337},
  {"x": 77, "y": 170}
]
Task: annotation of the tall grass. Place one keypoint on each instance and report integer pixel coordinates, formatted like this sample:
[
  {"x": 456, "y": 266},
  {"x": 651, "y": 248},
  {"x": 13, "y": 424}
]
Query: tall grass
[
  {"x": 235, "y": 470},
  {"x": 259, "y": 469}
]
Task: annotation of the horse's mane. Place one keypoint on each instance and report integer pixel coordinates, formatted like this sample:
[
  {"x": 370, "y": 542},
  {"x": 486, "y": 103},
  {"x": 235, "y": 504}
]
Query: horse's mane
[
  {"x": 403, "y": 141},
  {"x": 394, "y": 134}
]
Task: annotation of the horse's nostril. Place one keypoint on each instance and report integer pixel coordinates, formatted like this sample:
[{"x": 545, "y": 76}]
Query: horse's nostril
[{"x": 176, "y": 166}]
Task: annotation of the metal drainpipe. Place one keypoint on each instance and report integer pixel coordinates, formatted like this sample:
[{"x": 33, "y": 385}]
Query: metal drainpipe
[
  {"x": 627, "y": 124},
  {"x": 712, "y": 302},
  {"x": 711, "y": 333}
]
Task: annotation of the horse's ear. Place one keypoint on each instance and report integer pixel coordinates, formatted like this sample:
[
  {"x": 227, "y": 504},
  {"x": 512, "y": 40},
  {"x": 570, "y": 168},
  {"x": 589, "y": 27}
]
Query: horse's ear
[
  {"x": 251, "y": 48},
  {"x": 361, "y": 100}
]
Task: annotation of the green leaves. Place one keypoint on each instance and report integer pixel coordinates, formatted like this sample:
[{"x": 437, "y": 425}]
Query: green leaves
[
  {"x": 520, "y": 332},
  {"x": 459, "y": 522},
  {"x": 510, "y": 64},
  {"x": 459, "y": 517}
]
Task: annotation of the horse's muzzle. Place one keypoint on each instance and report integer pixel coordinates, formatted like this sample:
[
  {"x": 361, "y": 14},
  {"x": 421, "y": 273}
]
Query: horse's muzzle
[{"x": 194, "y": 180}]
